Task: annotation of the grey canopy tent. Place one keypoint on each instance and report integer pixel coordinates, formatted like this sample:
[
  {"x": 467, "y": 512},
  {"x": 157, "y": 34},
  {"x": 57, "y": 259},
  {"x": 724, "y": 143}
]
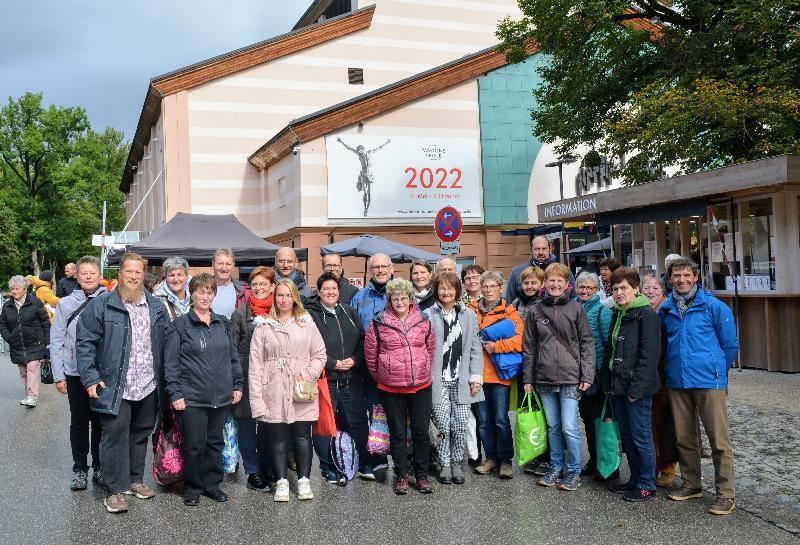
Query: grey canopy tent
[
  {"x": 197, "y": 236},
  {"x": 369, "y": 245}
]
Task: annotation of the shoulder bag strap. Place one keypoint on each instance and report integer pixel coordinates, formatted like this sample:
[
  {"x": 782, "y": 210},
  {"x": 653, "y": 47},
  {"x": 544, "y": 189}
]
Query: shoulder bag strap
[
  {"x": 78, "y": 311},
  {"x": 561, "y": 339},
  {"x": 171, "y": 307}
]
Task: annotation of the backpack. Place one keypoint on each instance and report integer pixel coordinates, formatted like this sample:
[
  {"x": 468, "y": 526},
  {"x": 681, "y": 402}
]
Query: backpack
[{"x": 344, "y": 454}]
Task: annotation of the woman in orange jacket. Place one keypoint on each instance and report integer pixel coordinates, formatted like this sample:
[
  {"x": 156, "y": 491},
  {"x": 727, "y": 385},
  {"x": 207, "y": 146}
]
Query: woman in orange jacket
[{"x": 493, "y": 421}]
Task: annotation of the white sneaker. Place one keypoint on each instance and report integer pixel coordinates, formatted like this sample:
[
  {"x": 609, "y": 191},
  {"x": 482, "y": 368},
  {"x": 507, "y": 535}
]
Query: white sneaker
[
  {"x": 32, "y": 402},
  {"x": 282, "y": 491},
  {"x": 304, "y": 489},
  {"x": 29, "y": 401}
]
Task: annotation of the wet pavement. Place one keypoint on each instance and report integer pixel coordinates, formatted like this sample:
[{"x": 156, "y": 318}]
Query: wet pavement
[{"x": 36, "y": 506}]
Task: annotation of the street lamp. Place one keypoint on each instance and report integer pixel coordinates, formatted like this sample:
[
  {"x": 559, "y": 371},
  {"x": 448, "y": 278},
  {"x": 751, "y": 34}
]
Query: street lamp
[{"x": 567, "y": 159}]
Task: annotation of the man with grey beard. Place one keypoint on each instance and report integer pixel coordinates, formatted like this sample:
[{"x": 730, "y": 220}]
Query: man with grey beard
[{"x": 120, "y": 351}]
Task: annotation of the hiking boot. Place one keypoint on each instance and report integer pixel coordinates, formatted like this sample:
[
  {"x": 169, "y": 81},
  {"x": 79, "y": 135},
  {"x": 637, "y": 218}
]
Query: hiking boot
[
  {"x": 257, "y": 483},
  {"x": 97, "y": 476},
  {"x": 304, "y": 489},
  {"x": 665, "y": 480},
  {"x": 116, "y": 503},
  {"x": 423, "y": 485},
  {"x": 457, "y": 472},
  {"x": 141, "y": 491},
  {"x": 571, "y": 482},
  {"x": 282, "y": 491},
  {"x": 79, "y": 481},
  {"x": 366, "y": 473},
  {"x": 542, "y": 469},
  {"x": 330, "y": 476},
  {"x": 685, "y": 493},
  {"x": 550, "y": 478},
  {"x": 445, "y": 475},
  {"x": 506, "y": 471},
  {"x": 722, "y": 506},
  {"x": 486, "y": 467},
  {"x": 639, "y": 495},
  {"x": 621, "y": 488},
  {"x": 401, "y": 485}
]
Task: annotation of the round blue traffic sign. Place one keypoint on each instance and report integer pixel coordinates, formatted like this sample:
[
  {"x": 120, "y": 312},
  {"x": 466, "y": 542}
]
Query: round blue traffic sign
[{"x": 448, "y": 225}]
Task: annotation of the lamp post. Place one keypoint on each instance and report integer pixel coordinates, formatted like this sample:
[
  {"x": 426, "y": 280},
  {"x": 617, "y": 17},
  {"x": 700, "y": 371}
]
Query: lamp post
[{"x": 567, "y": 159}]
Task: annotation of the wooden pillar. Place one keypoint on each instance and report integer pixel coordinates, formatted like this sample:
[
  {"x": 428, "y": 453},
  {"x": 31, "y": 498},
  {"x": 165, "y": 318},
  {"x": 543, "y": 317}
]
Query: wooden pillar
[{"x": 686, "y": 237}]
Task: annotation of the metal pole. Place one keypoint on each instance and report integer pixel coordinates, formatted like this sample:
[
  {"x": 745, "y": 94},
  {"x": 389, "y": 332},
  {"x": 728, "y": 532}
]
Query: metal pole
[{"x": 103, "y": 250}]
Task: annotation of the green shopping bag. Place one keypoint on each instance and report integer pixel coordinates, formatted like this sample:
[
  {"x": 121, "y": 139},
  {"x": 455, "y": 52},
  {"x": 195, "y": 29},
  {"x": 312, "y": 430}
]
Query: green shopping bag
[
  {"x": 607, "y": 437},
  {"x": 530, "y": 430}
]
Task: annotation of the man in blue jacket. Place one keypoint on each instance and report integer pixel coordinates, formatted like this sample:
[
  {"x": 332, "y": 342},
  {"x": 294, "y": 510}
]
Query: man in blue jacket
[
  {"x": 701, "y": 346},
  {"x": 367, "y": 302},
  {"x": 120, "y": 351}
]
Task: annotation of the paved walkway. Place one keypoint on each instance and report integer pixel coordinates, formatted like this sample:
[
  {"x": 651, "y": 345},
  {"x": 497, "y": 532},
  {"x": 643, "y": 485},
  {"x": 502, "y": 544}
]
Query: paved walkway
[
  {"x": 764, "y": 416},
  {"x": 36, "y": 506}
]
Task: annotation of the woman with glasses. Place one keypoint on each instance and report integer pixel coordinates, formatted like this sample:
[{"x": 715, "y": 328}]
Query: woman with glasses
[
  {"x": 495, "y": 426},
  {"x": 471, "y": 280},
  {"x": 591, "y": 403},
  {"x": 399, "y": 349}
]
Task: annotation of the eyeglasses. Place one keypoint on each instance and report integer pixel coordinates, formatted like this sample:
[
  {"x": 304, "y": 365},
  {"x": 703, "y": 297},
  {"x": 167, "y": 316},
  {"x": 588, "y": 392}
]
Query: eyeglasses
[
  {"x": 329, "y": 266},
  {"x": 587, "y": 288},
  {"x": 400, "y": 299},
  {"x": 287, "y": 262},
  {"x": 472, "y": 277},
  {"x": 380, "y": 267},
  {"x": 260, "y": 285}
]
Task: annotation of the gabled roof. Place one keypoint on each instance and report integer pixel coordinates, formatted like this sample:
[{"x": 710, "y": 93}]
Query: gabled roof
[
  {"x": 376, "y": 102},
  {"x": 230, "y": 63}
]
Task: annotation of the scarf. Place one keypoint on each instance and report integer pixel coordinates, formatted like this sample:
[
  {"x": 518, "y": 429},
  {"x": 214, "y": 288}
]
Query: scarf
[
  {"x": 638, "y": 302},
  {"x": 420, "y": 295},
  {"x": 487, "y": 309},
  {"x": 452, "y": 348},
  {"x": 181, "y": 305},
  {"x": 261, "y": 307},
  {"x": 683, "y": 302}
]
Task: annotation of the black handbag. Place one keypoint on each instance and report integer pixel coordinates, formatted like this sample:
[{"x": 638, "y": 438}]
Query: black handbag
[{"x": 46, "y": 371}]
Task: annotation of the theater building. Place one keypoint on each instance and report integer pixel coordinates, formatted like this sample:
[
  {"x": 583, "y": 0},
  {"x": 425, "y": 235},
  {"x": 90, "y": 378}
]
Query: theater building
[{"x": 368, "y": 116}]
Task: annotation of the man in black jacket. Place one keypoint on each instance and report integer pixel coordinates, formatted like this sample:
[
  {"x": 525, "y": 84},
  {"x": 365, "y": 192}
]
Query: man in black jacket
[
  {"x": 332, "y": 263},
  {"x": 541, "y": 257},
  {"x": 120, "y": 351},
  {"x": 68, "y": 283},
  {"x": 341, "y": 330}
]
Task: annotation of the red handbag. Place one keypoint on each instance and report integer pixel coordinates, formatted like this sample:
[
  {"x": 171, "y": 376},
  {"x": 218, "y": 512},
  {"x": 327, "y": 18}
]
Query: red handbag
[{"x": 326, "y": 425}]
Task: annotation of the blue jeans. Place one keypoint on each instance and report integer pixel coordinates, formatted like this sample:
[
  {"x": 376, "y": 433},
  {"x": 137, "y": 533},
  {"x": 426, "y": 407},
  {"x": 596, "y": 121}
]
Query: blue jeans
[
  {"x": 494, "y": 425},
  {"x": 350, "y": 405},
  {"x": 561, "y": 413},
  {"x": 254, "y": 447},
  {"x": 636, "y": 433}
]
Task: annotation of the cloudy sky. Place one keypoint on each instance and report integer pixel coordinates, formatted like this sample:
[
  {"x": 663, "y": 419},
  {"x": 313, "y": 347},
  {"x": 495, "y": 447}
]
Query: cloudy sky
[{"x": 100, "y": 55}]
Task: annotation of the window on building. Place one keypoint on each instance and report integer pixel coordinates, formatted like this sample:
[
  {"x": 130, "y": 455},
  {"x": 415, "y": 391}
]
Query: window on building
[{"x": 355, "y": 76}]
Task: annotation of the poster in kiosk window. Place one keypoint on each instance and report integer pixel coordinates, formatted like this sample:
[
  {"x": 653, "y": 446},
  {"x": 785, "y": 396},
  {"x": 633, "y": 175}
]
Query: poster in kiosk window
[{"x": 401, "y": 177}]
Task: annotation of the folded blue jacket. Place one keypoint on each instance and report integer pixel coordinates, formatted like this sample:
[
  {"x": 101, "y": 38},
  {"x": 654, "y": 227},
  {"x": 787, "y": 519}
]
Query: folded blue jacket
[{"x": 507, "y": 364}]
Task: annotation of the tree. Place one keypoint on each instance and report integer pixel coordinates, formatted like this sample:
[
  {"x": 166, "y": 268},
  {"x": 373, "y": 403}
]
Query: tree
[
  {"x": 55, "y": 172},
  {"x": 695, "y": 84}
]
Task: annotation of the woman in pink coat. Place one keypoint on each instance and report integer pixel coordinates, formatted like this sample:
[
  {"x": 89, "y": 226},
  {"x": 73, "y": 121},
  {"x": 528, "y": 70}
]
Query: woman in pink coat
[
  {"x": 286, "y": 348},
  {"x": 399, "y": 348}
]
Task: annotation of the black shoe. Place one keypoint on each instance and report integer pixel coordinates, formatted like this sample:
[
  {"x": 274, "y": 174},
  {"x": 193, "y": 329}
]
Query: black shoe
[
  {"x": 78, "y": 481},
  {"x": 216, "y": 495},
  {"x": 257, "y": 483},
  {"x": 589, "y": 471},
  {"x": 269, "y": 478},
  {"x": 639, "y": 495},
  {"x": 97, "y": 476},
  {"x": 191, "y": 500},
  {"x": 622, "y": 488},
  {"x": 330, "y": 476},
  {"x": 475, "y": 462},
  {"x": 380, "y": 474}
]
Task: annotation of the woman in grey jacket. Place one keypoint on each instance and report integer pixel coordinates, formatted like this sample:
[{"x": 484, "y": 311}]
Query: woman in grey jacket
[
  {"x": 457, "y": 374},
  {"x": 559, "y": 360}
]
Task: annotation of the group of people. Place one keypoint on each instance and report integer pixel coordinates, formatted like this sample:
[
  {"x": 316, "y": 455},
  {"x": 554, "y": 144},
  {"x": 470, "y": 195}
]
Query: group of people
[{"x": 419, "y": 354}]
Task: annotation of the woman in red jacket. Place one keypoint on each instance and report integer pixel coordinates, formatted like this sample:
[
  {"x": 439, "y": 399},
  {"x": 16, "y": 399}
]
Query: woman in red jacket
[{"x": 399, "y": 349}]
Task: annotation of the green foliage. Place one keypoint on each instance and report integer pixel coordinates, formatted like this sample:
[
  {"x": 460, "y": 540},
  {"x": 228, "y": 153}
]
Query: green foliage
[
  {"x": 55, "y": 173},
  {"x": 714, "y": 83}
]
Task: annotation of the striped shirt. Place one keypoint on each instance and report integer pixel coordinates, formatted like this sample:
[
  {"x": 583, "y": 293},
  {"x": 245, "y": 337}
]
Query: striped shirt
[{"x": 140, "y": 380}]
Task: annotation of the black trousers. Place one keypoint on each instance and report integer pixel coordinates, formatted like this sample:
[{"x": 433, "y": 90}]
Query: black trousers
[
  {"x": 281, "y": 437},
  {"x": 82, "y": 418},
  {"x": 123, "y": 446},
  {"x": 418, "y": 406},
  {"x": 589, "y": 408},
  {"x": 203, "y": 440},
  {"x": 350, "y": 405}
]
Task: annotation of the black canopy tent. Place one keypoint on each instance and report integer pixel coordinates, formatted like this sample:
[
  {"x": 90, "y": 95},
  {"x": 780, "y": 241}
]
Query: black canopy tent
[{"x": 197, "y": 236}]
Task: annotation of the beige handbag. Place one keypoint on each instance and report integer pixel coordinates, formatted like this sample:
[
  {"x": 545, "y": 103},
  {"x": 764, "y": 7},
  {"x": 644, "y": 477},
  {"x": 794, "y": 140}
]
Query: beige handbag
[{"x": 305, "y": 391}]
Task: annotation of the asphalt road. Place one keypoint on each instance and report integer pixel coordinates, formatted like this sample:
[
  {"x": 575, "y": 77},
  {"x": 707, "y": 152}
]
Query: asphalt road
[{"x": 37, "y": 507}]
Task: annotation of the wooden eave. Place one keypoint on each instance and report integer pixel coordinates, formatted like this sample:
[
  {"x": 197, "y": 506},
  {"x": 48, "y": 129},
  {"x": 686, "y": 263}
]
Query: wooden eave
[
  {"x": 230, "y": 63},
  {"x": 376, "y": 102}
]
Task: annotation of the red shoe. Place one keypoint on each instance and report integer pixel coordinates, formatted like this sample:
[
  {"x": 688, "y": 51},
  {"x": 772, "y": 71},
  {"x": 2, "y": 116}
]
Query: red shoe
[
  {"x": 401, "y": 485},
  {"x": 423, "y": 485}
]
